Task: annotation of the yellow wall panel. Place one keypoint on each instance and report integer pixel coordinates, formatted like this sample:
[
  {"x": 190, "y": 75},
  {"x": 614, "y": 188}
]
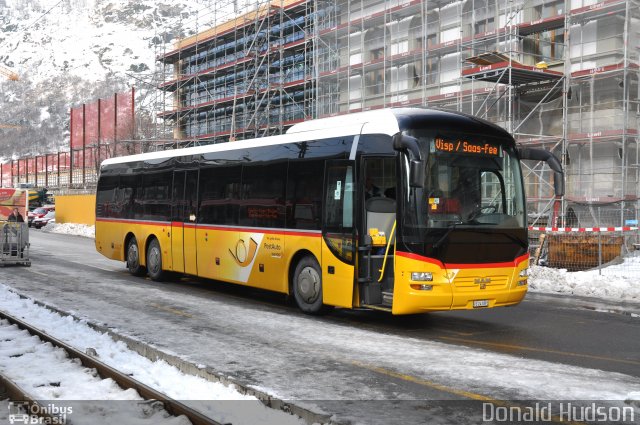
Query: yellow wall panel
[{"x": 79, "y": 209}]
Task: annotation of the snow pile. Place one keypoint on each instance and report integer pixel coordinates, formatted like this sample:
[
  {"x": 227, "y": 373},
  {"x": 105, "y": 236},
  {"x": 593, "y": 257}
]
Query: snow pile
[
  {"x": 617, "y": 282},
  {"x": 209, "y": 397},
  {"x": 71, "y": 229}
]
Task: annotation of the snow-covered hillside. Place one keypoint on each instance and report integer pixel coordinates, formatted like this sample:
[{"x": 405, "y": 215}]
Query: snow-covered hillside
[{"x": 67, "y": 52}]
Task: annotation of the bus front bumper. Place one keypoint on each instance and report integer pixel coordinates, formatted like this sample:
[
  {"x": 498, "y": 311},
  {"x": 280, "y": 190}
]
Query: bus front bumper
[{"x": 468, "y": 288}]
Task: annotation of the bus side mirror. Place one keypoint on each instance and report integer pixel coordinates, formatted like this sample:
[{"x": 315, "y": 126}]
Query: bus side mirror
[
  {"x": 534, "y": 154},
  {"x": 404, "y": 143},
  {"x": 416, "y": 173}
]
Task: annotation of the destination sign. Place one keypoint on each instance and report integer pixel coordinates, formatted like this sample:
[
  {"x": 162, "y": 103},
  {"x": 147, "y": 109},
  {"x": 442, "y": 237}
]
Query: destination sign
[{"x": 466, "y": 147}]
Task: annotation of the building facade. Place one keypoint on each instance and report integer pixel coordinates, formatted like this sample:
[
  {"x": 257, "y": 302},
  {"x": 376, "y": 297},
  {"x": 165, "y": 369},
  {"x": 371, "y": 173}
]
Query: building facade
[
  {"x": 562, "y": 75},
  {"x": 248, "y": 77}
]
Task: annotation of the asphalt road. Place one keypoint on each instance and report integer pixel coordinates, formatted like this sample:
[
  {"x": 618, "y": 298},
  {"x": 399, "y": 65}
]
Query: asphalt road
[{"x": 260, "y": 339}]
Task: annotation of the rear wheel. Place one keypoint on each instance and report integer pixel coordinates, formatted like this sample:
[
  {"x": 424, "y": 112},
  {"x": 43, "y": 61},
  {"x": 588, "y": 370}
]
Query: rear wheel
[
  {"x": 307, "y": 286},
  {"x": 154, "y": 261},
  {"x": 133, "y": 258}
]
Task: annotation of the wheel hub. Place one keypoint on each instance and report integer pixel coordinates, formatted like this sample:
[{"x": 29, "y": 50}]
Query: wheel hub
[
  {"x": 133, "y": 254},
  {"x": 309, "y": 284},
  {"x": 153, "y": 259}
]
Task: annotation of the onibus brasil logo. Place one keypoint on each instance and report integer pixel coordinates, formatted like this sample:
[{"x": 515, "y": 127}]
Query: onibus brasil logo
[{"x": 24, "y": 412}]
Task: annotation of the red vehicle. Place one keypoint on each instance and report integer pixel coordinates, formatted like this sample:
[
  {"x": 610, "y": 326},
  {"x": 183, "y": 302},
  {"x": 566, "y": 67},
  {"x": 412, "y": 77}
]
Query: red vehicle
[
  {"x": 43, "y": 221},
  {"x": 39, "y": 213}
]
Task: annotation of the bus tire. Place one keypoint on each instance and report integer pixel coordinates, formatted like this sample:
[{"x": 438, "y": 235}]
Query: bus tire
[
  {"x": 154, "y": 261},
  {"x": 133, "y": 258},
  {"x": 307, "y": 286}
]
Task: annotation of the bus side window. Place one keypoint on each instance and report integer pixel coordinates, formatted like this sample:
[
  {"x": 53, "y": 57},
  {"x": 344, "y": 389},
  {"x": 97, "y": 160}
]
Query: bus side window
[
  {"x": 380, "y": 177},
  {"x": 339, "y": 199},
  {"x": 156, "y": 195},
  {"x": 304, "y": 194},
  {"x": 263, "y": 197},
  {"x": 105, "y": 196},
  {"x": 338, "y": 226},
  {"x": 219, "y": 195},
  {"x": 126, "y": 194},
  {"x": 492, "y": 192},
  {"x": 191, "y": 195}
]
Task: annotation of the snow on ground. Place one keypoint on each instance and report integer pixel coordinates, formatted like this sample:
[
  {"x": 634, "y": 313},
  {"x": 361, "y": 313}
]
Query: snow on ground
[
  {"x": 47, "y": 373},
  {"x": 71, "y": 229},
  {"x": 211, "y": 398},
  {"x": 619, "y": 282}
]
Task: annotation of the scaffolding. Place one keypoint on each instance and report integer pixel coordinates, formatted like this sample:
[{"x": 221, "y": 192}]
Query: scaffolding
[
  {"x": 557, "y": 74},
  {"x": 246, "y": 77}
]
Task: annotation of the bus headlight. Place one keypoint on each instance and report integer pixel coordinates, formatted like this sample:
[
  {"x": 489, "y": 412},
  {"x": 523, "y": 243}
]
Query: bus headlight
[
  {"x": 523, "y": 276},
  {"x": 422, "y": 276}
]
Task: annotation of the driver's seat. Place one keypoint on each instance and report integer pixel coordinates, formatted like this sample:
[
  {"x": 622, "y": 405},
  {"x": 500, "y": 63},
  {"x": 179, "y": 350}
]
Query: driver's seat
[{"x": 381, "y": 214}]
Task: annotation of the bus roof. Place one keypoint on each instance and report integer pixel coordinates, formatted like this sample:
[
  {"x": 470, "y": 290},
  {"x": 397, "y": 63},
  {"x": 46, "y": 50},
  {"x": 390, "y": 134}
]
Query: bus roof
[{"x": 381, "y": 121}]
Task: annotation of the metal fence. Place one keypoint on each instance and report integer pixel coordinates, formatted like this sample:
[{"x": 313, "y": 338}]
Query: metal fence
[{"x": 604, "y": 238}]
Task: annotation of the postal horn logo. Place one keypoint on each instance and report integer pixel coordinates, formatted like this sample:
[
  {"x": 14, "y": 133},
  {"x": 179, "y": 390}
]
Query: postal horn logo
[
  {"x": 451, "y": 275},
  {"x": 244, "y": 255}
]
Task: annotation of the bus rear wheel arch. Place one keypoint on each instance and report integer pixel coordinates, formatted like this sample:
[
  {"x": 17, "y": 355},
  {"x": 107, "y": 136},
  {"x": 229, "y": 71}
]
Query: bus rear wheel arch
[
  {"x": 133, "y": 256},
  {"x": 154, "y": 260},
  {"x": 307, "y": 286}
]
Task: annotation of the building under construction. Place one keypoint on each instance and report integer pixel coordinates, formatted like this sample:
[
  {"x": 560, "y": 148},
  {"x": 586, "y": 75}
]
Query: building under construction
[{"x": 562, "y": 75}]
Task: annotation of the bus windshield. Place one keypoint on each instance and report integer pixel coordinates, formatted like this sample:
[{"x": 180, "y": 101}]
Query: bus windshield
[{"x": 471, "y": 182}]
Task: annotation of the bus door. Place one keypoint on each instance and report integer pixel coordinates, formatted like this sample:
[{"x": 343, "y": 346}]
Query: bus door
[
  {"x": 338, "y": 231},
  {"x": 183, "y": 221},
  {"x": 377, "y": 239}
]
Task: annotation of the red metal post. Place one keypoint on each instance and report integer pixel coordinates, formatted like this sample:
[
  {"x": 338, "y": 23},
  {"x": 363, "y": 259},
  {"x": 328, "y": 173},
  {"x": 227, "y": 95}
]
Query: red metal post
[
  {"x": 115, "y": 124},
  {"x": 84, "y": 144},
  {"x": 71, "y": 151}
]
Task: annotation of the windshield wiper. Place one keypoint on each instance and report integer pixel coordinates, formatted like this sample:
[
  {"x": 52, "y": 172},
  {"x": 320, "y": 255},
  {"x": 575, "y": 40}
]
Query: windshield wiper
[
  {"x": 471, "y": 221},
  {"x": 450, "y": 229}
]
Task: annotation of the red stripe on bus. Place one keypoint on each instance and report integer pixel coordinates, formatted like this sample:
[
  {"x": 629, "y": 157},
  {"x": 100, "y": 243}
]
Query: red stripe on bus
[
  {"x": 515, "y": 262},
  {"x": 411, "y": 256},
  {"x": 213, "y": 227},
  {"x": 417, "y": 257},
  {"x": 259, "y": 230}
]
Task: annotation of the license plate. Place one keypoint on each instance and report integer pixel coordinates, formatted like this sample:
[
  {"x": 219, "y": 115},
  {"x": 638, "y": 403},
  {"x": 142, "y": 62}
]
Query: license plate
[{"x": 480, "y": 303}]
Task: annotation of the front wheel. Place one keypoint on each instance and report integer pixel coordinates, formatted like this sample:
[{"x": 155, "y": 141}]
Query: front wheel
[
  {"x": 154, "y": 261},
  {"x": 133, "y": 258},
  {"x": 307, "y": 286}
]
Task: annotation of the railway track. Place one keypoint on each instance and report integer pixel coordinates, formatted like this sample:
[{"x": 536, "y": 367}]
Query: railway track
[{"x": 173, "y": 407}]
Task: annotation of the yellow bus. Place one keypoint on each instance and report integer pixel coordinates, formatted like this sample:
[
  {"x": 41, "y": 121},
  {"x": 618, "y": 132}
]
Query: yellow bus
[{"x": 403, "y": 210}]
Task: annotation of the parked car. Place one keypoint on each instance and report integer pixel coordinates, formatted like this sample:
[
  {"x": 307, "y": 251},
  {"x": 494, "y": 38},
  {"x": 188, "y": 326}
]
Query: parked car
[
  {"x": 39, "y": 213},
  {"x": 43, "y": 221}
]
